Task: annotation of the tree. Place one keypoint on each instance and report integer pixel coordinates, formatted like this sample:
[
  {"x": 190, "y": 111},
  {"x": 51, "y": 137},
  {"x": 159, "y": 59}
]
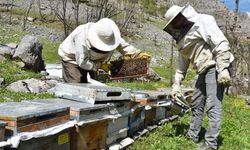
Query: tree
[
  {"x": 10, "y": 9},
  {"x": 59, "y": 7},
  {"x": 27, "y": 13},
  {"x": 76, "y": 5},
  {"x": 40, "y": 10}
]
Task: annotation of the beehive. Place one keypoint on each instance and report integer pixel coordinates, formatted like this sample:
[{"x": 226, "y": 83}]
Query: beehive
[
  {"x": 129, "y": 68},
  {"x": 89, "y": 136},
  {"x": 28, "y": 117},
  {"x": 78, "y": 110},
  {"x": 118, "y": 128},
  {"x": 136, "y": 118},
  {"x": 92, "y": 133}
]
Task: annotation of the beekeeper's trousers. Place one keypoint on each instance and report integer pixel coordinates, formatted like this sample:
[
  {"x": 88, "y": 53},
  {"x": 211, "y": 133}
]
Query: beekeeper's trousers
[{"x": 207, "y": 93}]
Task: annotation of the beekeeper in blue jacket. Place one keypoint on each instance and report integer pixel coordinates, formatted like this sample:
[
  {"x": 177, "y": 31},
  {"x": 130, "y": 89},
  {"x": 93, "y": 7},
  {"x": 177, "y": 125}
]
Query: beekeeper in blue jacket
[{"x": 202, "y": 44}]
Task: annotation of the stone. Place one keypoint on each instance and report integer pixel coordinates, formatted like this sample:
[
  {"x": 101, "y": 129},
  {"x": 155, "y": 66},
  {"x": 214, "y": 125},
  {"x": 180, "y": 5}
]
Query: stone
[
  {"x": 248, "y": 100},
  {"x": 12, "y": 45},
  {"x": 31, "y": 19},
  {"x": 6, "y": 50},
  {"x": 32, "y": 85},
  {"x": 44, "y": 73},
  {"x": 19, "y": 63},
  {"x": 30, "y": 52},
  {"x": 2, "y": 81}
]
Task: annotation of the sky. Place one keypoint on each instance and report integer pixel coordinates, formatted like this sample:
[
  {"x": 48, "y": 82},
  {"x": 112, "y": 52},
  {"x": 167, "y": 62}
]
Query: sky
[{"x": 244, "y": 5}]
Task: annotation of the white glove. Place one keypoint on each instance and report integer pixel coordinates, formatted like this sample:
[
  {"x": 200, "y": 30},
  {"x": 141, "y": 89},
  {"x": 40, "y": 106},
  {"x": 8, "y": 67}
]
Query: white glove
[
  {"x": 224, "y": 78},
  {"x": 176, "y": 91}
]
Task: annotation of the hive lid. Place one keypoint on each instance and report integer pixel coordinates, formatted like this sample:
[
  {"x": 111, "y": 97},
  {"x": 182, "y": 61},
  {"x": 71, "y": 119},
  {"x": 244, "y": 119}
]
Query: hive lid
[
  {"x": 19, "y": 110},
  {"x": 81, "y": 91},
  {"x": 74, "y": 105}
]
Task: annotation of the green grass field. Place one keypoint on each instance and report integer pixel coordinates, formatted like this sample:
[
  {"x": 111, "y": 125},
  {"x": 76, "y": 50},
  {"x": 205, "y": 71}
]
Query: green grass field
[{"x": 234, "y": 133}]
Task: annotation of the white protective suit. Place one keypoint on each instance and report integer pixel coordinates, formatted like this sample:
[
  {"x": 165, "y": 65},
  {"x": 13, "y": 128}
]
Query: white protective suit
[
  {"x": 75, "y": 49},
  {"x": 203, "y": 46}
]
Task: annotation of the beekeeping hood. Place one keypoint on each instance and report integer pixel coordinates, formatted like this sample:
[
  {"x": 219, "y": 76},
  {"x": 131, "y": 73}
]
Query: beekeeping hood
[{"x": 188, "y": 12}]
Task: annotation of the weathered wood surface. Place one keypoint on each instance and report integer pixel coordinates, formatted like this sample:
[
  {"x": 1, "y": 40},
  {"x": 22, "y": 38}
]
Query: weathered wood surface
[
  {"x": 117, "y": 136},
  {"x": 150, "y": 116},
  {"x": 117, "y": 124},
  {"x": 89, "y": 136},
  {"x": 60, "y": 141},
  {"x": 136, "y": 120},
  {"x": 2, "y": 130},
  {"x": 118, "y": 128}
]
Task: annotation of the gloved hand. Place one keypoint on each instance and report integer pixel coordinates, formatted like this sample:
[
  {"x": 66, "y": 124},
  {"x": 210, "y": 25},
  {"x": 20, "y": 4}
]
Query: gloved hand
[
  {"x": 138, "y": 55},
  {"x": 176, "y": 91},
  {"x": 224, "y": 78},
  {"x": 106, "y": 67},
  {"x": 144, "y": 55}
]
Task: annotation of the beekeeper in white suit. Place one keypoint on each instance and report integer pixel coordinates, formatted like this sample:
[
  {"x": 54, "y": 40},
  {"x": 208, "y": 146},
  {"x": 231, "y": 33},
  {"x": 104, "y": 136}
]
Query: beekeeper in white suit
[
  {"x": 202, "y": 44},
  {"x": 88, "y": 47}
]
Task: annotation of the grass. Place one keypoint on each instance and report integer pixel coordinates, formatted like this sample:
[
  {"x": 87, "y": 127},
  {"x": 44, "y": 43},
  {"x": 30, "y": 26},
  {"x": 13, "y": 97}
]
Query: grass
[
  {"x": 234, "y": 133},
  {"x": 11, "y": 73},
  {"x": 50, "y": 54},
  {"x": 9, "y": 35},
  {"x": 8, "y": 96}
]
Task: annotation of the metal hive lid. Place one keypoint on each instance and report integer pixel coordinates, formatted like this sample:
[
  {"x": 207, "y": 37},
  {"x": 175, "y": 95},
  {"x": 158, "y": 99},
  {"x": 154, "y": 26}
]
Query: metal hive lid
[
  {"x": 20, "y": 110},
  {"x": 74, "y": 105},
  {"x": 91, "y": 93}
]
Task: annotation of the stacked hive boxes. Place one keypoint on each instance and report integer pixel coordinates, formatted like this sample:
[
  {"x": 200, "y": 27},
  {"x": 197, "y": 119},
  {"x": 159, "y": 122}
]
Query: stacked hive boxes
[
  {"x": 150, "y": 100},
  {"x": 118, "y": 127},
  {"x": 159, "y": 103},
  {"x": 136, "y": 118},
  {"x": 102, "y": 116},
  {"x": 28, "y": 117},
  {"x": 91, "y": 131},
  {"x": 117, "y": 97}
]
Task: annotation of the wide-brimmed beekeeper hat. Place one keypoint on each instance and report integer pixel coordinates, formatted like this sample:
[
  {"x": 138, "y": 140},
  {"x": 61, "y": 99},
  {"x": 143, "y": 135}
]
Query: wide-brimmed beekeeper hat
[
  {"x": 172, "y": 12},
  {"x": 104, "y": 35}
]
